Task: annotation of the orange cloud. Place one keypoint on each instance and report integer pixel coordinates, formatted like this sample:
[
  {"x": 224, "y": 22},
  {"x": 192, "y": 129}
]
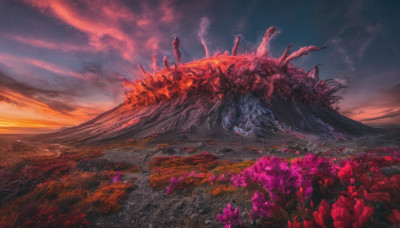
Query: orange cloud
[
  {"x": 21, "y": 114},
  {"x": 26, "y": 107},
  {"x": 130, "y": 33}
]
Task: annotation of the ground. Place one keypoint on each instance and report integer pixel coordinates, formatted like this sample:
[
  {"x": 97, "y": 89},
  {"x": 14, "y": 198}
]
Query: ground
[{"x": 145, "y": 202}]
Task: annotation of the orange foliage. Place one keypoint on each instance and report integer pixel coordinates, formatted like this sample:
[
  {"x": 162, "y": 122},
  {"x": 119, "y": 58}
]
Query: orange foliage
[
  {"x": 222, "y": 188},
  {"x": 233, "y": 168},
  {"x": 54, "y": 188},
  {"x": 108, "y": 196},
  {"x": 8, "y": 218},
  {"x": 194, "y": 170},
  {"x": 175, "y": 166},
  {"x": 82, "y": 153}
]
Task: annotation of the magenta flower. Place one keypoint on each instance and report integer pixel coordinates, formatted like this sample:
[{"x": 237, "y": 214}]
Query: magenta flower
[
  {"x": 322, "y": 215},
  {"x": 117, "y": 177},
  {"x": 261, "y": 207},
  {"x": 276, "y": 177},
  {"x": 230, "y": 217},
  {"x": 348, "y": 213},
  {"x": 212, "y": 179},
  {"x": 173, "y": 183},
  {"x": 313, "y": 164},
  {"x": 222, "y": 178}
]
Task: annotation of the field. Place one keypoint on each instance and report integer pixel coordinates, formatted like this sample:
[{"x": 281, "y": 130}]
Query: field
[{"x": 199, "y": 183}]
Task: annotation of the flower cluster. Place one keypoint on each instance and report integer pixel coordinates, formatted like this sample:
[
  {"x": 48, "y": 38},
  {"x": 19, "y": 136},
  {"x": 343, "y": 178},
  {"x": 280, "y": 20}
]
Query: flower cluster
[
  {"x": 284, "y": 191},
  {"x": 174, "y": 183},
  {"x": 350, "y": 213},
  {"x": 117, "y": 177},
  {"x": 230, "y": 217},
  {"x": 274, "y": 175},
  {"x": 261, "y": 206}
]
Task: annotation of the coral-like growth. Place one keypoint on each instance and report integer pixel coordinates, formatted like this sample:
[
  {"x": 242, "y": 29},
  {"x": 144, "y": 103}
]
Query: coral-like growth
[{"x": 221, "y": 75}]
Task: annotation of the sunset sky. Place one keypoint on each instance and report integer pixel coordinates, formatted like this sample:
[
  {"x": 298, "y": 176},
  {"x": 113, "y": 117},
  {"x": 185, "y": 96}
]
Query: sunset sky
[{"x": 60, "y": 60}]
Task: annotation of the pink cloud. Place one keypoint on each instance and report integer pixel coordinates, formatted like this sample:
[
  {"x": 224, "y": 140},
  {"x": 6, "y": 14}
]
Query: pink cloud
[
  {"x": 48, "y": 44},
  {"x": 51, "y": 67},
  {"x": 381, "y": 109},
  {"x": 111, "y": 25}
]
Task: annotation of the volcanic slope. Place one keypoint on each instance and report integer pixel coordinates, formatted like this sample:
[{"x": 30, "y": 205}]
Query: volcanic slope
[{"x": 251, "y": 95}]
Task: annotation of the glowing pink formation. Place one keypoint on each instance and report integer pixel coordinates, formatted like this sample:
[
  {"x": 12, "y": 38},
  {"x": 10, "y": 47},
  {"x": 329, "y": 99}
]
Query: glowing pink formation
[{"x": 221, "y": 75}]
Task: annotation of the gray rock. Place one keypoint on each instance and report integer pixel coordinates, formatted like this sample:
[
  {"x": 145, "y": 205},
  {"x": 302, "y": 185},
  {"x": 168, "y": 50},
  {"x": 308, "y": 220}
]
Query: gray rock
[
  {"x": 168, "y": 150},
  {"x": 225, "y": 150},
  {"x": 94, "y": 165},
  {"x": 392, "y": 170}
]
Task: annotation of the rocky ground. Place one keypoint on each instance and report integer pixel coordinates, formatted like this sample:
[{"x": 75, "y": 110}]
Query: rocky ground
[{"x": 145, "y": 207}]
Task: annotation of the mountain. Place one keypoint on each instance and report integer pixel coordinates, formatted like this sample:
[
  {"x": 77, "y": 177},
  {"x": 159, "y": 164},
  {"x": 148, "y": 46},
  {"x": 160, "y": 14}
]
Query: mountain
[{"x": 252, "y": 95}]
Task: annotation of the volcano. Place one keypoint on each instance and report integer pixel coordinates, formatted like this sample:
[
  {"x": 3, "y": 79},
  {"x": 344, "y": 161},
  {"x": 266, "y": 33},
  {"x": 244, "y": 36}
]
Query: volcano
[{"x": 251, "y": 95}]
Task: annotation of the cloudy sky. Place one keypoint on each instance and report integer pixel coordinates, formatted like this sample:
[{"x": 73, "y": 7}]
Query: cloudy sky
[{"x": 59, "y": 59}]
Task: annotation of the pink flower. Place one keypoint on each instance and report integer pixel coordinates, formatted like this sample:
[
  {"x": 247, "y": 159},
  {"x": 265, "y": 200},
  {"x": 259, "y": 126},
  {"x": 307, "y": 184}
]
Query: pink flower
[
  {"x": 294, "y": 223},
  {"x": 313, "y": 164},
  {"x": 308, "y": 223},
  {"x": 345, "y": 214},
  {"x": 361, "y": 213},
  {"x": 322, "y": 215},
  {"x": 277, "y": 178},
  {"x": 261, "y": 207},
  {"x": 212, "y": 179},
  {"x": 378, "y": 196},
  {"x": 230, "y": 216},
  {"x": 173, "y": 183},
  {"x": 395, "y": 217},
  {"x": 117, "y": 177},
  {"x": 346, "y": 171},
  {"x": 341, "y": 212},
  {"x": 298, "y": 224},
  {"x": 222, "y": 178}
]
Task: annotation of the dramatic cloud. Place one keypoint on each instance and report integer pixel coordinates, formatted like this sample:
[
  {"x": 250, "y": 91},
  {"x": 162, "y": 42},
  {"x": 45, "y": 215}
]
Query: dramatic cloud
[
  {"x": 111, "y": 25},
  {"x": 48, "y": 44},
  {"x": 63, "y": 59},
  {"x": 51, "y": 67},
  {"x": 21, "y": 101},
  {"x": 25, "y": 95}
]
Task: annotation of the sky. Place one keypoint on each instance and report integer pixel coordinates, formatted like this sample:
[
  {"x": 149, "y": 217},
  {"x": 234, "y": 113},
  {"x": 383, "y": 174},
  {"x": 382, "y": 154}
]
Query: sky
[{"x": 60, "y": 60}]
